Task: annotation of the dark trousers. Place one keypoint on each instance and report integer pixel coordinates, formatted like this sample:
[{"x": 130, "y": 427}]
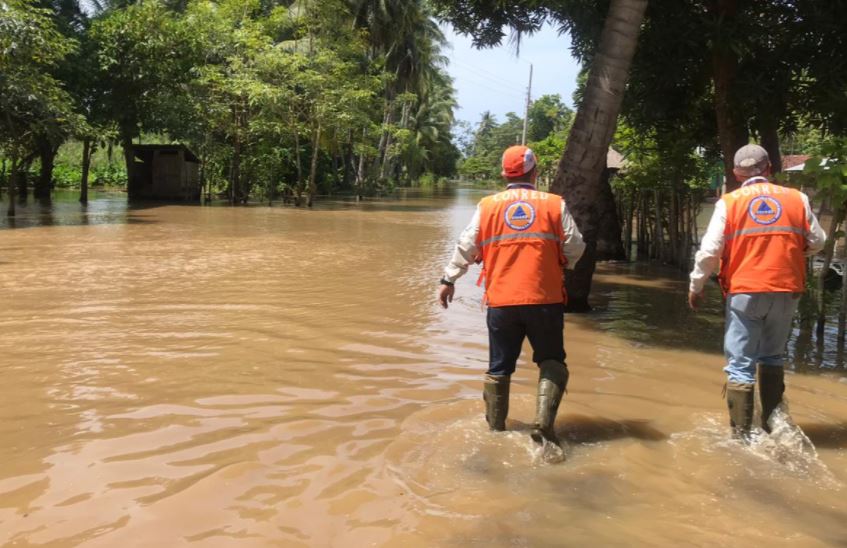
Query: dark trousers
[{"x": 543, "y": 324}]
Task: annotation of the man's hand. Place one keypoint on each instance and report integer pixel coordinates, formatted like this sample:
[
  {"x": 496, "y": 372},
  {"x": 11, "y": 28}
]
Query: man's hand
[
  {"x": 445, "y": 294},
  {"x": 694, "y": 299}
]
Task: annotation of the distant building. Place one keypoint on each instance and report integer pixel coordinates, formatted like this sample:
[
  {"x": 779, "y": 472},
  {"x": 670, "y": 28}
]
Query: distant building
[
  {"x": 615, "y": 160},
  {"x": 164, "y": 172},
  {"x": 793, "y": 160}
]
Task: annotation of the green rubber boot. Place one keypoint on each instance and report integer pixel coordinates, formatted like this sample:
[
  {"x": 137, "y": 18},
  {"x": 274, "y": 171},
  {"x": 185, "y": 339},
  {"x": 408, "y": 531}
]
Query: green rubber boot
[
  {"x": 739, "y": 400},
  {"x": 552, "y": 381},
  {"x": 771, "y": 389},
  {"x": 495, "y": 392}
]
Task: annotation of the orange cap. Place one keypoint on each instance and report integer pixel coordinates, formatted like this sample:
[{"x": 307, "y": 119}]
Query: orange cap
[{"x": 518, "y": 160}]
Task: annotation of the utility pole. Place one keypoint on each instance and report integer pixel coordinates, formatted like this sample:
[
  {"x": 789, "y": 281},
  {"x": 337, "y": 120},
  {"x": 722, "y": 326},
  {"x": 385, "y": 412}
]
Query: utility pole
[{"x": 528, "y": 101}]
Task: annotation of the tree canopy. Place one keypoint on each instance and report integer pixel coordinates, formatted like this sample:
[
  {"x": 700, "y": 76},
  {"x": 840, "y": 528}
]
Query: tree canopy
[{"x": 288, "y": 99}]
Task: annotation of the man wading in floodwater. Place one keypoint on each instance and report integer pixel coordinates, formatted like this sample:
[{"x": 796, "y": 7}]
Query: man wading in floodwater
[
  {"x": 524, "y": 239},
  {"x": 760, "y": 234}
]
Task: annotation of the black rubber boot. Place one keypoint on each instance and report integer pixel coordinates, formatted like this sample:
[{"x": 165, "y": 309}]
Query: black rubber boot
[
  {"x": 739, "y": 400},
  {"x": 495, "y": 392},
  {"x": 552, "y": 381},
  {"x": 771, "y": 389}
]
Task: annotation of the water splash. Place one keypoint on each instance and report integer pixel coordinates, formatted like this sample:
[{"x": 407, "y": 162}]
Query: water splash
[
  {"x": 548, "y": 453},
  {"x": 790, "y": 448},
  {"x": 785, "y": 450}
]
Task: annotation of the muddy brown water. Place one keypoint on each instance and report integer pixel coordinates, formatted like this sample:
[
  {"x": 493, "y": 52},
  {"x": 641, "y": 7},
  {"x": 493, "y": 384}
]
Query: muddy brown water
[{"x": 277, "y": 377}]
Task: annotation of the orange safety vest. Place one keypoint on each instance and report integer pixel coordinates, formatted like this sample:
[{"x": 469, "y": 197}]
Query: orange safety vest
[
  {"x": 764, "y": 240},
  {"x": 520, "y": 237}
]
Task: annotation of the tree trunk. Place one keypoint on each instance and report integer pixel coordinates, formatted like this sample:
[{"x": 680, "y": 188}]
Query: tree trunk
[
  {"x": 769, "y": 132},
  {"x": 47, "y": 155},
  {"x": 660, "y": 229},
  {"x": 349, "y": 160},
  {"x": 842, "y": 311},
  {"x": 388, "y": 161},
  {"x": 313, "y": 169},
  {"x": 673, "y": 227},
  {"x": 86, "y": 164},
  {"x": 299, "y": 188},
  {"x": 21, "y": 178},
  {"x": 609, "y": 244},
  {"x": 131, "y": 177},
  {"x": 235, "y": 173},
  {"x": 829, "y": 251},
  {"x": 580, "y": 172},
  {"x": 732, "y": 131},
  {"x": 13, "y": 174},
  {"x": 360, "y": 173},
  {"x": 387, "y": 118}
]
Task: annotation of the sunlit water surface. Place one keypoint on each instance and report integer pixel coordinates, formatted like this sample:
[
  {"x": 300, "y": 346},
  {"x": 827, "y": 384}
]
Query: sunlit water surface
[{"x": 270, "y": 376}]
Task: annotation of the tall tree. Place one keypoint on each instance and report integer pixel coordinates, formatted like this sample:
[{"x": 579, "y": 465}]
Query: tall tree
[
  {"x": 580, "y": 177},
  {"x": 33, "y": 102},
  {"x": 146, "y": 54}
]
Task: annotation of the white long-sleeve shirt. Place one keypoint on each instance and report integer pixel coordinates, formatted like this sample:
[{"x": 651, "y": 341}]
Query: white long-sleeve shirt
[
  {"x": 467, "y": 251},
  {"x": 708, "y": 258}
]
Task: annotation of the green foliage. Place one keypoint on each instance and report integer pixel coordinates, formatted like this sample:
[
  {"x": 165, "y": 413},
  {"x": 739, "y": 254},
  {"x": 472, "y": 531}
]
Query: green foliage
[
  {"x": 549, "y": 122},
  {"x": 145, "y": 56},
  {"x": 276, "y": 98},
  {"x": 548, "y": 152},
  {"x": 66, "y": 176},
  {"x": 548, "y": 115},
  {"x": 32, "y": 100},
  {"x": 828, "y": 171}
]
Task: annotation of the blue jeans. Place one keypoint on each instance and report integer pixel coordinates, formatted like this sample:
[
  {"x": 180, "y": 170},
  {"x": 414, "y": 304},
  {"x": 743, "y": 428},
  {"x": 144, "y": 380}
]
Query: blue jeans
[
  {"x": 543, "y": 324},
  {"x": 757, "y": 330}
]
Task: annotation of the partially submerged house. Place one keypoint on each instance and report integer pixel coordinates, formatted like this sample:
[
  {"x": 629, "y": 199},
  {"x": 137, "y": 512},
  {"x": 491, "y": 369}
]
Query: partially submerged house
[{"x": 164, "y": 172}]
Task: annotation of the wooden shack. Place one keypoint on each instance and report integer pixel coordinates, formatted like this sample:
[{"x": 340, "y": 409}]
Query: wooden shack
[{"x": 164, "y": 172}]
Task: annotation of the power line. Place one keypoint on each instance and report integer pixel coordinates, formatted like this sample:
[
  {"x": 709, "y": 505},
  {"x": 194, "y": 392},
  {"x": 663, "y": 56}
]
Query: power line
[
  {"x": 487, "y": 73},
  {"x": 494, "y": 87},
  {"x": 489, "y": 76}
]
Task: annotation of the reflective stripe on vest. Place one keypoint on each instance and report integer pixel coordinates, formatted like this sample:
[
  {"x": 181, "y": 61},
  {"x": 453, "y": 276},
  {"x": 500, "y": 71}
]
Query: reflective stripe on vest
[
  {"x": 762, "y": 230},
  {"x": 521, "y": 235},
  {"x": 764, "y": 240}
]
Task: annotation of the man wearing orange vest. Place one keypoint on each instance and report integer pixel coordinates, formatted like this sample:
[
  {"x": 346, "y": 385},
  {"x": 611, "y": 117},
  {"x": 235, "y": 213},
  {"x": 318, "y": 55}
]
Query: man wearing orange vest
[
  {"x": 758, "y": 237},
  {"x": 524, "y": 239}
]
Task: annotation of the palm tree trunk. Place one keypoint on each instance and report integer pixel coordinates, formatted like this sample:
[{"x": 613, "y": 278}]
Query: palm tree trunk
[{"x": 579, "y": 177}]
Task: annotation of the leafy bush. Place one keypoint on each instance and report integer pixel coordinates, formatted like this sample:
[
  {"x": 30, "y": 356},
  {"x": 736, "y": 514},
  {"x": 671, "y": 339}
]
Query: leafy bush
[
  {"x": 427, "y": 180},
  {"x": 65, "y": 176},
  {"x": 109, "y": 175}
]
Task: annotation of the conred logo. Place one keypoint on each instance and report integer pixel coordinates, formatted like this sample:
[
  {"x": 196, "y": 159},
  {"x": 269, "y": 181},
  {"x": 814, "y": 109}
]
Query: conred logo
[
  {"x": 520, "y": 215},
  {"x": 765, "y": 210}
]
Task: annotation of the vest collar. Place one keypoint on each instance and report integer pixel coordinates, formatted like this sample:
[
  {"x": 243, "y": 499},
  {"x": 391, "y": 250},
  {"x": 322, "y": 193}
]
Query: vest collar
[
  {"x": 527, "y": 186},
  {"x": 754, "y": 180}
]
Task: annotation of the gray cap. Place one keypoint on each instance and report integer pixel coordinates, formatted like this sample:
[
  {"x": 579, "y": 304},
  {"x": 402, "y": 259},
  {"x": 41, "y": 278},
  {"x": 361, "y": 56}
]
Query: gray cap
[{"x": 751, "y": 160}]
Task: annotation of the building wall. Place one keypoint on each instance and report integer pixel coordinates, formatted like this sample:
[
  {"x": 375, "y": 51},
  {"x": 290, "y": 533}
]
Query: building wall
[{"x": 172, "y": 177}]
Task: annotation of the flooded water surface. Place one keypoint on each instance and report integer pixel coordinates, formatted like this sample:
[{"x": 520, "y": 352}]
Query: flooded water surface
[{"x": 276, "y": 377}]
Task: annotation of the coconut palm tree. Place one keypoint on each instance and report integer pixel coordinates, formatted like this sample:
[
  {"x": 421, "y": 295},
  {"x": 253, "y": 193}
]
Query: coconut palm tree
[{"x": 580, "y": 174}]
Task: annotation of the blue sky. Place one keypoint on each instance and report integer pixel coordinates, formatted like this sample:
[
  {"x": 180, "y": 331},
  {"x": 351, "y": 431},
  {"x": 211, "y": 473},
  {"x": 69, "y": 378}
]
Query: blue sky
[{"x": 496, "y": 79}]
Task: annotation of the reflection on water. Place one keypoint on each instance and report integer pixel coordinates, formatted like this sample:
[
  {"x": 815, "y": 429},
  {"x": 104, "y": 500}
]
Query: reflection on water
[
  {"x": 259, "y": 376},
  {"x": 647, "y": 305}
]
